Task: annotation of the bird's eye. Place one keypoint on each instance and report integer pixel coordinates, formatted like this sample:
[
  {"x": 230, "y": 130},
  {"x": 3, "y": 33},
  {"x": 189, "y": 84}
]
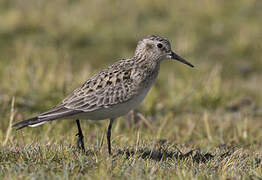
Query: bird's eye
[{"x": 159, "y": 45}]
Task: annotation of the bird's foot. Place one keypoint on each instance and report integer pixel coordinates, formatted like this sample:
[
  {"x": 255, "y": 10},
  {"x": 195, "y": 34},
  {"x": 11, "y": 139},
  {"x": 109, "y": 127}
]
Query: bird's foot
[{"x": 80, "y": 142}]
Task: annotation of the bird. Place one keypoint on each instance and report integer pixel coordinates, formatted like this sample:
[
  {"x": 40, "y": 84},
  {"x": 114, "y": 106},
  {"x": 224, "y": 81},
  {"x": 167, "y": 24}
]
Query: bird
[{"x": 112, "y": 92}]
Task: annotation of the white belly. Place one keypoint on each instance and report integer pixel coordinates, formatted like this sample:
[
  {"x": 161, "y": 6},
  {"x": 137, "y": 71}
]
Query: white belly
[{"x": 116, "y": 110}]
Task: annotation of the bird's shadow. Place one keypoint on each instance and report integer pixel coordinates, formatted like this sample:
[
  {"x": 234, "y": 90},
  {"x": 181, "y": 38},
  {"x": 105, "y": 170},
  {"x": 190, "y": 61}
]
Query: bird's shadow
[{"x": 162, "y": 154}]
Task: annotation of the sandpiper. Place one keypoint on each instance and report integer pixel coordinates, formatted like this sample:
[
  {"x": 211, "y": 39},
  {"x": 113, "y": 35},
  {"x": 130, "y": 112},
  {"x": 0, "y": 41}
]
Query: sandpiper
[{"x": 114, "y": 91}]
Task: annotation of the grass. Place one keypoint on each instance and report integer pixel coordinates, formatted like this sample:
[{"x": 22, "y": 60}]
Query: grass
[{"x": 201, "y": 123}]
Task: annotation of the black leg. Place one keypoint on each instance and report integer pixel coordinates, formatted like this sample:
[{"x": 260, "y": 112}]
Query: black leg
[
  {"x": 109, "y": 135},
  {"x": 80, "y": 140}
]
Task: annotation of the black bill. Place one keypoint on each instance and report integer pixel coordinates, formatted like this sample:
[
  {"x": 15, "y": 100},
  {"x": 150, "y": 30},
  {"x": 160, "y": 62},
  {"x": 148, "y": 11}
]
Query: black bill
[{"x": 178, "y": 58}]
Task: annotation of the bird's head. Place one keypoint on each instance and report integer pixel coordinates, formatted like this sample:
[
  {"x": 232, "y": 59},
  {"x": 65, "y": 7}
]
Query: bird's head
[{"x": 157, "y": 48}]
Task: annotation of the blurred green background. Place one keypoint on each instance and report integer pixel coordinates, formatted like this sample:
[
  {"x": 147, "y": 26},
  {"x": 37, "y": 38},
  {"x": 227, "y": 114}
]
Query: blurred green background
[{"x": 48, "y": 48}]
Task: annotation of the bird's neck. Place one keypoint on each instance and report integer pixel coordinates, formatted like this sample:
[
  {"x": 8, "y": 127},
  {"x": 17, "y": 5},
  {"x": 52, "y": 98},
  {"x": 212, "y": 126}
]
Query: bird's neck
[{"x": 148, "y": 71}]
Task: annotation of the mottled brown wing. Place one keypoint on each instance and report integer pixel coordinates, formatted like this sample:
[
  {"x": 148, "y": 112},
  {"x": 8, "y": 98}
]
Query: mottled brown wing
[{"x": 111, "y": 86}]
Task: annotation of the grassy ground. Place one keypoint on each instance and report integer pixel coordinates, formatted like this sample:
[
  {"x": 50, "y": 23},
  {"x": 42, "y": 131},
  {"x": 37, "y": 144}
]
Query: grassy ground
[{"x": 201, "y": 123}]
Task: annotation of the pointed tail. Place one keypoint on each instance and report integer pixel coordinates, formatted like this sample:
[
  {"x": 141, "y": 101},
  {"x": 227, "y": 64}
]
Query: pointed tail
[
  {"x": 53, "y": 114},
  {"x": 32, "y": 122}
]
